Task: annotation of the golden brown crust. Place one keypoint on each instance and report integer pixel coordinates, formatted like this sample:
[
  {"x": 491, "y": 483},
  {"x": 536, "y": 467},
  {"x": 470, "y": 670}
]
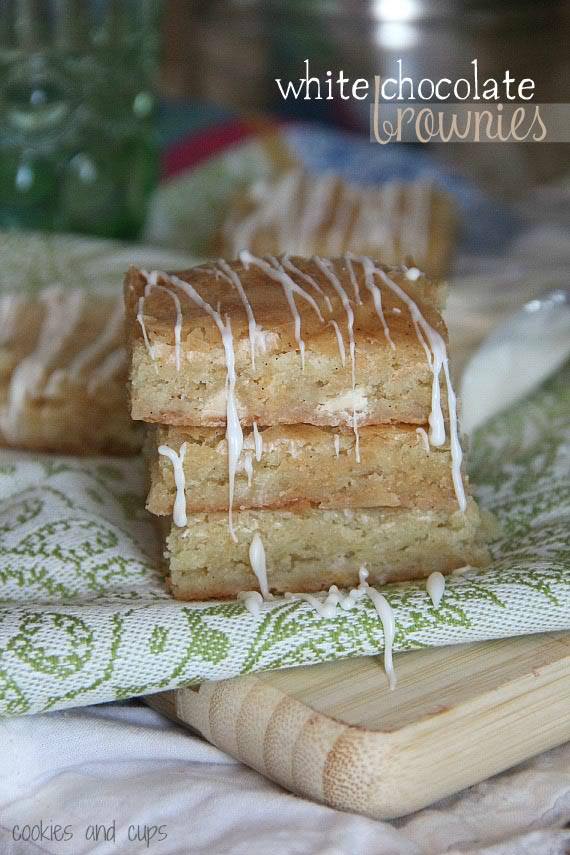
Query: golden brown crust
[{"x": 392, "y": 385}]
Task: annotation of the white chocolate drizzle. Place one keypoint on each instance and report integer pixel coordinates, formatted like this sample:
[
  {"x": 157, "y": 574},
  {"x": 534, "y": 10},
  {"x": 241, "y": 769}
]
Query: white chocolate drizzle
[
  {"x": 301, "y": 208},
  {"x": 234, "y": 433},
  {"x": 55, "y": 343},
  {"x": 336, "y": 444},
  {"x": 386, "y": 615},
  {"x": 278, "y": 200},
  {"x": 368, "y": 269},
  {"x": 62, "y": 315},
  {"x": 435, "y": 587},
  {"x": 258, "y": 565},
  {"x": 112, "y": 330},
  {"x": 234, "y": 279},
  {"x": 327, "y": 608},
  {"x": 438, "y": 361},
  {"x": 353, "y": 279},
  {"x": 310, "y": 280},
  {"x": 111, "y": 365},
  {"x": 459, "y": 571},
  {"x": 252, "y": 601},
  {"x": 424, "y": 438},
  {"x": 413, "y": 274},
  {"x": 277, "y": 272},
  {"x": 325, "y": 267},
  {"x": 258, "y": 442},
  {"x": 152, "y": 283},
  {"x": 317, "y": 199},
  {"x": 179, "y": 515},
  {"x": 340, "y": 341}
]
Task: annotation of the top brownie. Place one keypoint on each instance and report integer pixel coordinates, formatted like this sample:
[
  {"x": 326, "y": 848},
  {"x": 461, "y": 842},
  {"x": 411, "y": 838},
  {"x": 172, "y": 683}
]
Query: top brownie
[{"x": 341, "y": 342}]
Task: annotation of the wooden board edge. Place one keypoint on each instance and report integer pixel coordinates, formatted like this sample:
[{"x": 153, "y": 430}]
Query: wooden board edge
[{"x": 382, "y": 775}]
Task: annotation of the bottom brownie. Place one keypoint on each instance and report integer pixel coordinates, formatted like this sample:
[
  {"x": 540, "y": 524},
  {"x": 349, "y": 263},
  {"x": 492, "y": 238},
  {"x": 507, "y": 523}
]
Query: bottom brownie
[{"x": 310, "y": 550}]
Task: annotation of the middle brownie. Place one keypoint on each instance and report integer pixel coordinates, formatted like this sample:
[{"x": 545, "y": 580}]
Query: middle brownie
[{"x": 301, "y": 466}]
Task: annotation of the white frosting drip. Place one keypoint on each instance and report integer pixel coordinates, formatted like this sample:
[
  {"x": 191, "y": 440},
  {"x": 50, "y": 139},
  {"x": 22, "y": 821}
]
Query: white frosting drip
[
  {"x": 336, "y": 444},
  {"x": 386, "y": 615},
  {"x": 258, "y": 565},
  {"x": 248, "y": 466},
  {"x": 340, "y": 342},
  {"x": 327, "y": 608},
  {"x": 179, "y": 514},
  {"x": 278, "y": 200},
  {"x": 234, "y": 279},
  {"x": 353, "y": 279},
  {"x": 435, "y": 587},
  {"x": 258, "y": 442},
  {"x": 396, "y": 311},
  {"x": 424, "y": 437},
  {"x": 459, "y": 571},
  {"x": 111, "y": 333},
  {"x": 277, "y": 272},
  {"x": 152, "y": 283},
  {"x": 325, "y": 267},
  {"x": 111, "y": 365},
  {"x": 456, "y": 451},
  {"x": 310, "y": 280},
  {"x": 252, "y": 601},
  {"x": 316, "y": 200},
  {"x": 377, "y": 300},
  {"x": 378, "y": 221},
  {"x": 62, "y": 315},
  {"x": 424, "y": 344},
  {"x": 439, "y": 361},
  {"x": 234, "y": 433},
  {"x": 413, "y": 274}
]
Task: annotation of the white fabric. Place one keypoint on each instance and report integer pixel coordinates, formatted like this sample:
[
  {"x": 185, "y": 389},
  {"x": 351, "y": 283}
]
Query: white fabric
[{"x": 126, "y": 763}]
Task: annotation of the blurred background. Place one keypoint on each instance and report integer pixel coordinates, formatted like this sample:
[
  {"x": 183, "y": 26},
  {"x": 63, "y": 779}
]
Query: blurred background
[
  {"x": 98, "y": 98},
  {"x": 229, "y": 52}
]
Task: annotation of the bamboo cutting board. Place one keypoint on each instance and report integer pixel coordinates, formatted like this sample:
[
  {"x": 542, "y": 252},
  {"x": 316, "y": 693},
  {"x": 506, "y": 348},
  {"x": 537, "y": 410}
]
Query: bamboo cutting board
[{"x": 336, "y": 734}]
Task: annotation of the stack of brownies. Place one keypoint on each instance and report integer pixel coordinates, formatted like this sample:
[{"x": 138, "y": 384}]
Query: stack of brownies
[{"x": 302, "y": 424}]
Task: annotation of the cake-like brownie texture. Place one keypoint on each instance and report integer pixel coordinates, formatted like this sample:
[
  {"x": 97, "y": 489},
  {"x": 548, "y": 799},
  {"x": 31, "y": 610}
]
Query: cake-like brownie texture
[
  {"x": 305, "y": 214},
  {"x": 63, "y": 372},
  {"x": 301, "y": 465},
  {"x": 311, "y": 549},
  {"x": 287, "y": 341}
]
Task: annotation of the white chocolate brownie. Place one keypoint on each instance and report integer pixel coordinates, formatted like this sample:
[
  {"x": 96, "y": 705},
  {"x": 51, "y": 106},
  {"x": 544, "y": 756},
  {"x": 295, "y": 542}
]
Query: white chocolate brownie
[
  {"x": 63, "y": 369},
  {"x": 311, "y": 549},
  {"x": 305, "y": 214},
  {"x": 302, "y": 465}
]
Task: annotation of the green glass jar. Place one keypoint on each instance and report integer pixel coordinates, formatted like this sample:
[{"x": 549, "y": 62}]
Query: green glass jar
[{"x": 78, "y": 148}]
